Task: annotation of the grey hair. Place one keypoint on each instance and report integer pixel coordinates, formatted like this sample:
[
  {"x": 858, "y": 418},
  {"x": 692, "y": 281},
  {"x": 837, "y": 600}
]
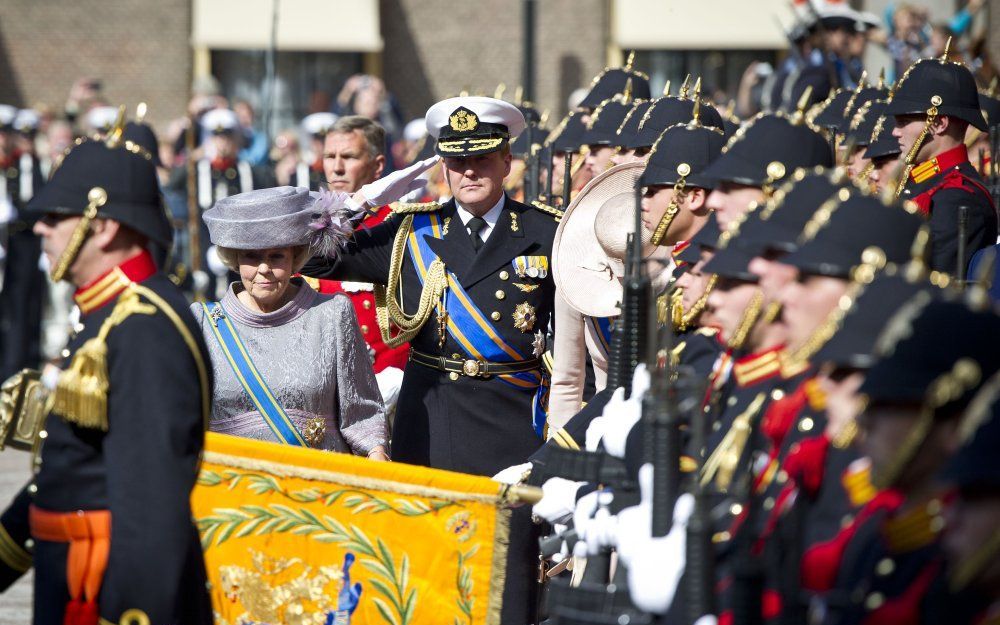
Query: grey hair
[
  {"x": 373, "y": 133},
  {"x": 230, "y": 257}
]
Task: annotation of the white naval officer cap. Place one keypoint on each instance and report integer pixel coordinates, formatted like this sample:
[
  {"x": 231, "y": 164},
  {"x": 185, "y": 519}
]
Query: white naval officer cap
[
  {"x": 219, "y": 121},
  {"x": 318, "y": 124},
  {"x": 470, "y": 125},
  {"x": 7, "y": 115},
  {"x": 102, "y": 118},
  {"x": 27, "y": 120}
]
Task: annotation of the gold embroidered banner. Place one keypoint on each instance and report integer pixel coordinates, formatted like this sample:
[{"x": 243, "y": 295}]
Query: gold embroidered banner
[{"x": 278, "y": 524}]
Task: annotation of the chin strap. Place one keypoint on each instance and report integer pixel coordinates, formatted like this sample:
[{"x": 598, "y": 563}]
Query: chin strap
[
  {"x": 96, "y": 198},
  {"x": 911, "y": 155}
]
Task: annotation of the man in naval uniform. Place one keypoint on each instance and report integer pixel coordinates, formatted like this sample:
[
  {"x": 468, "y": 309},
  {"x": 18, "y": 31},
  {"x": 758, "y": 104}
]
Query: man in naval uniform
[
  {"x": 106, "y": 521},
  {"x": 481, "y": 261}
]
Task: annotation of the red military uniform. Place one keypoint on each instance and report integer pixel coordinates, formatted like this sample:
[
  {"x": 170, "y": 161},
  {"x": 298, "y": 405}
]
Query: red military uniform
[{"x": 363, "y": 297}]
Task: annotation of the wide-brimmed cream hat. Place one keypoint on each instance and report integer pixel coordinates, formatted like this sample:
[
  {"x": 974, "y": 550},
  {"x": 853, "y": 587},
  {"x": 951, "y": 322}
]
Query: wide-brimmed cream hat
[{"x": 588, "y": 253}]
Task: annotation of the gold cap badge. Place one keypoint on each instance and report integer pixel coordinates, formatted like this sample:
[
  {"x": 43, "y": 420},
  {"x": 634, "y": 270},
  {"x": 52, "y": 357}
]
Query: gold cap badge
[{"x": 463, "y": 120}]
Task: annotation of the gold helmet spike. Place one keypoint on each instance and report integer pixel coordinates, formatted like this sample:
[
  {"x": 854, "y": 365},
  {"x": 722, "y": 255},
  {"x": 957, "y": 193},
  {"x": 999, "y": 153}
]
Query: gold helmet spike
[
  {"x": 696, "y": 111},
  {"x": 863, "y": 82},
  {"x": 881, "y": 78},
  {"x": 498, "y": 92},
  {"x": 464, "y": 93},
  {"x": 800, "y": 108},
  {"x": 992, "y": 90},
  {"x": 685, "y": 86},
  {"x": 114, "y": 137},
  {"x": 518, "y": 94},
  {"x": 947, "y": 50},
  {"x": 543, "y": 118},
  {"x": 628, "y": 62},
  {"x": 666, "y": 89},
  {"x": 627, "y": 92},
  {"x": 140, "y": 112}
]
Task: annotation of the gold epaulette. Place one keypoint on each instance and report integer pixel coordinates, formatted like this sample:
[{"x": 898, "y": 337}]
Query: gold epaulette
[
  {"x": 410, "y": 208},
  {"x": 550, "y": 210},
  {"x": 81, "y": 395}
]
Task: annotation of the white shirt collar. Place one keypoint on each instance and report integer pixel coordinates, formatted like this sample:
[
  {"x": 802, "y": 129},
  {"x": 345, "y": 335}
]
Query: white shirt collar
[{"x": 491, "y": 217}]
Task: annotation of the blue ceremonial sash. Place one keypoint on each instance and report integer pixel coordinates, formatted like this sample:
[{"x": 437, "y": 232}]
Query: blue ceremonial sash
[
  {"x": 602, "y": 332},
  {"x": 469, "y": 326},
  {"x": 246, "y": 372}
]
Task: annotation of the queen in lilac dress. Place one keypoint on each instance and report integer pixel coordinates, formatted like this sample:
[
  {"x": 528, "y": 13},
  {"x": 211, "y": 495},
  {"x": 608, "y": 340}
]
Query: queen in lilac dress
[{"x": 307, "y": 346}]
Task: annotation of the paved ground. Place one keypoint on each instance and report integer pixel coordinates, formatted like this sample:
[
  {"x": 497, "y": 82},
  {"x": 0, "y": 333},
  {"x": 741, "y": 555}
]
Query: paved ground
[{"x": 15, "y": 604}]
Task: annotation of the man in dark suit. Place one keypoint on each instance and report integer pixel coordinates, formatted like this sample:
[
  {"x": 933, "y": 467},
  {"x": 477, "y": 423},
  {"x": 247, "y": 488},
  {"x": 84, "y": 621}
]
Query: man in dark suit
[{"x": 468, "y": 282}]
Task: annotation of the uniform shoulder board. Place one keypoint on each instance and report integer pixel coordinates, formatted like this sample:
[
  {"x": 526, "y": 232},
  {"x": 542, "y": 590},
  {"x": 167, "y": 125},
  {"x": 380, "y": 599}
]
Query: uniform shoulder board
[
  {"x": 409, "y": 208},
  {"x": 551, "y": 210}
]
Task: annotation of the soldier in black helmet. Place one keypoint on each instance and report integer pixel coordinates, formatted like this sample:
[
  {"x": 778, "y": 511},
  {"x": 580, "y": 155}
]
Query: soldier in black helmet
[
  {"x": 934, "y": 104},
  {"x": 612, "y": 81},
  {"x": 119, "y": 454},
  {"x": 759, "y": 156}
]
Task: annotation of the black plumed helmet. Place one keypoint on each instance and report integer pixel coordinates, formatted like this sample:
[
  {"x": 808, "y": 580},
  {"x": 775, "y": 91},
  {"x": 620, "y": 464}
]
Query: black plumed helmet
[
  {"x": 126, "y": 174},
  {"x": 613, "y": 81},
  {"x": 946, "y": 86},
  {"x": 767, "y": 149}
]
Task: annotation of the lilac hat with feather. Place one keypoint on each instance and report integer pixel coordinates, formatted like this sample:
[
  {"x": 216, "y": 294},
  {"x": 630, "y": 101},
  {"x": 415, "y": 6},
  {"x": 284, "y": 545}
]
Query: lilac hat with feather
[{"x": 281, "y": 217}]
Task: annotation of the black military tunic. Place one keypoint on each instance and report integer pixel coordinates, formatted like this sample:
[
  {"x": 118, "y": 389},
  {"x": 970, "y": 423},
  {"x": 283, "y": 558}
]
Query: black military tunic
[
  {"x": 24, "y": 283},
  {"x": 142, "y": 469},
  {"x": 940, "y": 186}
]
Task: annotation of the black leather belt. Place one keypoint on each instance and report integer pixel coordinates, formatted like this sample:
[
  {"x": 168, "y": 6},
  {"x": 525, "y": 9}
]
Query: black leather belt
[{"x": 471, "y": 367}]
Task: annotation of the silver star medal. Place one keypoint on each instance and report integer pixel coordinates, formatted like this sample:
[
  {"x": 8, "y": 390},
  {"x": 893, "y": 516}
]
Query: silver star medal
[{"x": 539, "y": 344}]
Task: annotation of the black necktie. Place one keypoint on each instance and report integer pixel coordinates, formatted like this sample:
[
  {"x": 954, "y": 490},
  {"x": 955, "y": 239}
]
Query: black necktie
[{"x": 475, "y": 225}]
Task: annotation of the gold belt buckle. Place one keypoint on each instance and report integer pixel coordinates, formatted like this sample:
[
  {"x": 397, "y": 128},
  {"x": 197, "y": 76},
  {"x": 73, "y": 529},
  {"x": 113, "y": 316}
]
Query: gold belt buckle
[{"x": 471, "y": 368}]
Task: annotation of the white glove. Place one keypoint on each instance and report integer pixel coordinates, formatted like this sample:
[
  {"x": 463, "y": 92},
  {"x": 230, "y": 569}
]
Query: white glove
[
  {"x": 600, "y": 530},
  {"x": 641, "y": 380},
  {"x": 585, "y": 509},
  {"x": 621, "y": 414},
  {"x": 563, "y": 553},
  {"x": 214, "y": 261},
  {"x": 512, "y": 475},
  {"x": 624, "y": 415},
  {"x": 389, "y": 381},
  {"x": 655, "y": 565},
  {"x": 393, "y": 186},
  {"x": 558, "y": 500}
]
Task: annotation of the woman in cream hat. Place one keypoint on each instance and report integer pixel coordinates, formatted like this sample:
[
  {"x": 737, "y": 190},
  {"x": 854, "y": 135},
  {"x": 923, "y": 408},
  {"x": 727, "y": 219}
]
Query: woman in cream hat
[
  {"x": 588, "y": 264},
  {"x": 290, "y": 364}
]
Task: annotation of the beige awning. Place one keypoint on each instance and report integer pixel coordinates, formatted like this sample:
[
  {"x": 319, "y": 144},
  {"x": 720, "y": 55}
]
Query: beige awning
[
  {"x": 304, "y": 25},
  {"x": 699, "y": 24}
]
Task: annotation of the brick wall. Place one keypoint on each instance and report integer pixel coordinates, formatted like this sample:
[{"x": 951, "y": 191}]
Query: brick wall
[
  {"x": 140, "y": 50},
  {"x": 435, "y": 48}
]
